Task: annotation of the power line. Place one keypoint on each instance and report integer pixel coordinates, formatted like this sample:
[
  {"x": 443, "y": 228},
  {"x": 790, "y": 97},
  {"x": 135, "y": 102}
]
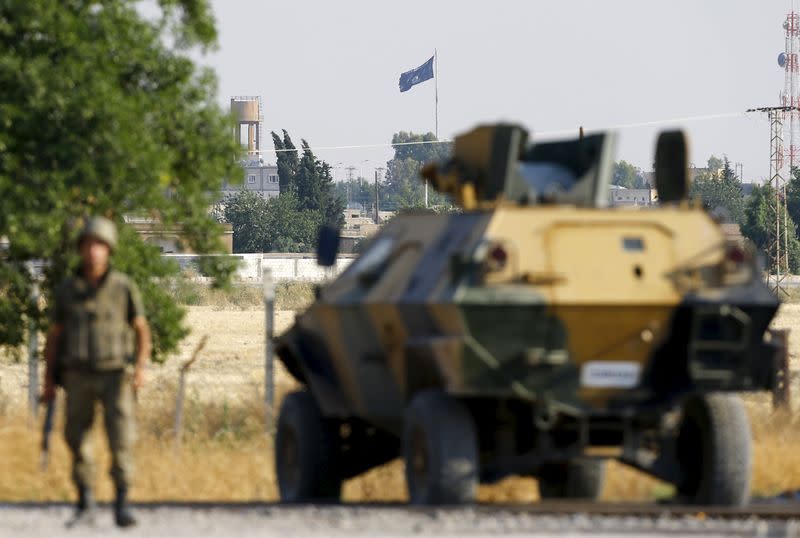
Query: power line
[
  {"x": 650, "y": 123},
  {"x": 361, "y": 146}
]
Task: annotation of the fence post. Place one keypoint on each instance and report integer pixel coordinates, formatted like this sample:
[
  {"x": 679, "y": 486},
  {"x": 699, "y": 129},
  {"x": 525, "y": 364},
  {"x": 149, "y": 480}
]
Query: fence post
[
  {"x": 33, "y": 349},
  {"x": 269, "y": 366},
  {"x": 782, "y": 391},
  {"x": 182, "y": 390},
  {"x": 179, "y": 409}
]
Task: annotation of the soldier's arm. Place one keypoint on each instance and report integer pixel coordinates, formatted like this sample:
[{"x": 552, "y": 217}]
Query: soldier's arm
[
  {"x": 50, "y": 350},
  {"x": 144, "y": 347},
  {"x": 144, "y": 343}
]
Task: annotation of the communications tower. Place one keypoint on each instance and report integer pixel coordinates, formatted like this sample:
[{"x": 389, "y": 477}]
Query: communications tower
[
  {"x": 790, "y": 97},
  {"x": 784, "y": 150}
]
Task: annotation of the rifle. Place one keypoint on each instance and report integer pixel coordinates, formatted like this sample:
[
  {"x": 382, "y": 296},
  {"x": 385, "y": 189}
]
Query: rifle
[
  {"x": 58, "y": 380},
  {"x": 48, "y": 427}
]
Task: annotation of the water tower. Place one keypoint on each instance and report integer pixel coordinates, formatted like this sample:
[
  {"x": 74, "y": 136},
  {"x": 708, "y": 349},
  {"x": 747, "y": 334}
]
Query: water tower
[{"x": 247, "y": 113}]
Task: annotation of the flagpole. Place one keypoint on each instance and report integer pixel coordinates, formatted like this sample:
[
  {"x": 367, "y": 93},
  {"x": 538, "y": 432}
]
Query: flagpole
[
  {"x": 436, "y": 83},
  {"x": 436, "y": 99}
]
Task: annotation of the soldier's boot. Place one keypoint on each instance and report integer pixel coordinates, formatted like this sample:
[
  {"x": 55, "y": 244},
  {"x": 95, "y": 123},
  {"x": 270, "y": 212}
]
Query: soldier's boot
[
  {"x": 122, "y": 511},
  {"x": 85, "y": 508}
]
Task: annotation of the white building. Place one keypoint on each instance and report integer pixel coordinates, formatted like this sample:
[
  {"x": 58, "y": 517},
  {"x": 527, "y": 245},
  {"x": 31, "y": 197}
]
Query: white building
[
  {"x": 259, "y": 177},
  {"x": 620, "y": 196}
]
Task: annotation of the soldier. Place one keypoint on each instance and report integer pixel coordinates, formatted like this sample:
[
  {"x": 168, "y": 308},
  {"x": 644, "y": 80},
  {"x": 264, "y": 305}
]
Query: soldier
[{"x": 90, "y": 346}]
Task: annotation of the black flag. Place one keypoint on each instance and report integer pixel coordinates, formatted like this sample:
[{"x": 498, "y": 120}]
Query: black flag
[{"x": 415, "y": 76}]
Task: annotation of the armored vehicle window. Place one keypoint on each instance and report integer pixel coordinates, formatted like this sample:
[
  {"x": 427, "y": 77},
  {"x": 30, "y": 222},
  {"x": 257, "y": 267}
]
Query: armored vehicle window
[
  {"x": 578, "y": 156},
  {"x": 374, "y": 257},
  {"x": 573, "y": 172},
  {"x": 547, "y": 178}
]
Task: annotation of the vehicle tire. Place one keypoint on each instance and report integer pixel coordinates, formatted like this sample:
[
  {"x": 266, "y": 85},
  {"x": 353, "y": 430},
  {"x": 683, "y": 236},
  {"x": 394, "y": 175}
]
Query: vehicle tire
[
  {"x": 713, "y": 449},
  {"x": 440, "y": 449},
  {"x": 581, "y": 479},
  {"x": 306, "y": 448}
]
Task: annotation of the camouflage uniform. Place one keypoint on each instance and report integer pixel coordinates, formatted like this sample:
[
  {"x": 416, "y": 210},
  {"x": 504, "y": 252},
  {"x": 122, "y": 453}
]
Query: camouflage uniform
[{"x": 96, "y": 357}]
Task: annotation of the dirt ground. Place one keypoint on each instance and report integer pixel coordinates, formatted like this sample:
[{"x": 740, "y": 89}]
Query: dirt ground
[
  {"x": 232, "y": 362},
  {"x": 789, "y": 318},
  {"x": 231, "y": 459}
]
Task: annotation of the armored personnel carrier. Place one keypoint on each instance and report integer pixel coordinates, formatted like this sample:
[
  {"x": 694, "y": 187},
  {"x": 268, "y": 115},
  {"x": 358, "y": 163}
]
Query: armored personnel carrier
[{"x": 537, "y": 332}]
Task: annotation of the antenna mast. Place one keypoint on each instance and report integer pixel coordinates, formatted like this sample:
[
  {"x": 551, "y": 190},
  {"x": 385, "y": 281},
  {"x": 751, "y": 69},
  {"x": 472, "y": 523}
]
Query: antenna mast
[{"x": 790, "y": 97}]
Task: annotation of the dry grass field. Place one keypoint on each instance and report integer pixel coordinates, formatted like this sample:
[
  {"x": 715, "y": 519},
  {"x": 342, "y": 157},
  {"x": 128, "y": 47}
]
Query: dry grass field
[{"x": 225, "y": 455}]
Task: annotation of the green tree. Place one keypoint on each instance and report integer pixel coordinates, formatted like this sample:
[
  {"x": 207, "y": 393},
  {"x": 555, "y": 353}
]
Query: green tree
[
  {"x": 793, "y": 194},
  {"x": 102, "y": 111},
  {"x": 721, "y": 191},
  {"x": 309, "y": 178},
  {"x": 793, "y": 208},
  {"x": 279, "y": 224},
  {"x": 628, "y": 176},
  {"x": 287, "y": 160},
  {"x": 404, "y": 187},
  {"x": 314, "y": 187},
  {"x": 307, "y": 183},
  {"x": 423, "y": 148},
  {"x": 715, "y": 164},
  {"x": 360, "y": 192},
  {"x": 759, "y": 223},
  {"x": 333, "y": 205},
  {"x": 246, "y": 212}
]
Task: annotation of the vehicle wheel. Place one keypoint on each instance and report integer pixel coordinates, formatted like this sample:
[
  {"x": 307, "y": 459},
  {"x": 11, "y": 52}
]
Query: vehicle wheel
[
  {"x": 574, "y": 480},
  {"x": 440, "y": 448},
  {"x": 306, "y": 448},
  {"x": 713, "y": 449}
]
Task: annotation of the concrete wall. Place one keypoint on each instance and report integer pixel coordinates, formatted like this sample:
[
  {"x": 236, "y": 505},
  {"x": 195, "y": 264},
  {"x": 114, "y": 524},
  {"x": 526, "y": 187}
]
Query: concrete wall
[
  {"x": 283, "y": 266},
  {"x": 168, "y": 239}
]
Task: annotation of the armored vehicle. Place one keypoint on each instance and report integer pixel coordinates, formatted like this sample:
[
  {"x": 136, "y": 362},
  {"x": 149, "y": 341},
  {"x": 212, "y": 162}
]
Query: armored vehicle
[{"x": 536, "y": 332}]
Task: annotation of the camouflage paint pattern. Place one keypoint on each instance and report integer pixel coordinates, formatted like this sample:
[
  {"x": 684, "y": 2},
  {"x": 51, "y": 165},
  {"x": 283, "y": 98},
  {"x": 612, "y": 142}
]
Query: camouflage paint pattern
[
  {"x": 570, "y": 292},
  {"x": 535, "y": 303}
]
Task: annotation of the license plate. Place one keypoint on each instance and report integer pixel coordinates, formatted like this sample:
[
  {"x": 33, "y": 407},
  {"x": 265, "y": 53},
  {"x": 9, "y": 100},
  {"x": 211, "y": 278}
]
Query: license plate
[{"x": 610, "y": 374}]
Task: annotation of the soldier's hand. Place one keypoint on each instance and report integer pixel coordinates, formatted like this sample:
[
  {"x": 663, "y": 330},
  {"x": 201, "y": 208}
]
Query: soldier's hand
[
  {"x": 138, "y": 378},
  {"x": 48, "y": 393}
]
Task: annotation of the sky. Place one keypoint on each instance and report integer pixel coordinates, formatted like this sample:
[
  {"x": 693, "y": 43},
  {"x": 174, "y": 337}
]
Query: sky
[{"x": 328, "y": 71}]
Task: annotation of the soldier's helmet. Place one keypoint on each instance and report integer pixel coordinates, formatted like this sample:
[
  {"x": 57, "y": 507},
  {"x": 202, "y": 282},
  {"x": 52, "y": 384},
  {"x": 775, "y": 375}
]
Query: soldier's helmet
[{"x": 100, "y": 228}]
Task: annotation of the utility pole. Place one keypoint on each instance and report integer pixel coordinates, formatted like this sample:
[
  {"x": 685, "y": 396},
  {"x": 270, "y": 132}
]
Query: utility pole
[
  {"x": 269, "y": 349},
  {"x": 335, "y": 168},
  {"x": 436, "y": 98},
  {"x": 33, "y": 346},
  {"x": 784, "y": 149},
  {"x": 350, "y": 171},
  {"x": 778, "y": 244},
  {"x": 378, "y": 171},
  {"x": 361, "y": 179}
]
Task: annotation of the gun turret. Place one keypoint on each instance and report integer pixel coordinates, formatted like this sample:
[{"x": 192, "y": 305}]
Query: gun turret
[
  {"x": 493, "y": 164},
  {"x": 482, "y": 167}
]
